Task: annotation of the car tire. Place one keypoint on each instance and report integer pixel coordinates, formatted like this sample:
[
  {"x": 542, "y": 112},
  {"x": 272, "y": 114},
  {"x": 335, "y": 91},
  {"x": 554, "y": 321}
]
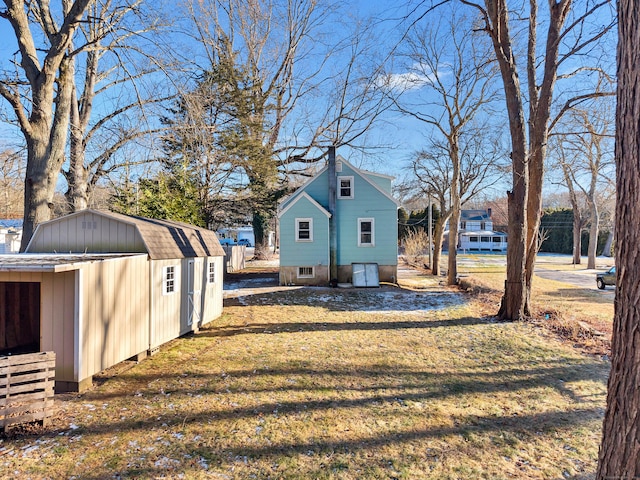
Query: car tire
[{"x": 600, "y": 283}]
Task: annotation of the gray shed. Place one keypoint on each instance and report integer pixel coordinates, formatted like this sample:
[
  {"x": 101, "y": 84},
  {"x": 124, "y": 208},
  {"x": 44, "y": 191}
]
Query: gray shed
[{"x": 98, "y": 288}]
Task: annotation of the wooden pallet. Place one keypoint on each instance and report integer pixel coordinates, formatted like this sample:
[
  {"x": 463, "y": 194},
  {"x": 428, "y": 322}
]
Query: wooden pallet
[{"x": 26, "y": 388}]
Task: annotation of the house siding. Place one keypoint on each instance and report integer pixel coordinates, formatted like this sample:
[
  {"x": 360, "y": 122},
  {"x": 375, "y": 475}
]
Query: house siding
[
  {"x": 304, "y": 253},
  {"x": 368, "y": 202}
]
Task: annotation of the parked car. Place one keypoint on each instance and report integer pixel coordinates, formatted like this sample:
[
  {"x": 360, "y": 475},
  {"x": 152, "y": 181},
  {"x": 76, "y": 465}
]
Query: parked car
[
  {"x": 606, "y": 278},
  {"x": 227, "y": 241},
  {"x": 244, "y": 241}
]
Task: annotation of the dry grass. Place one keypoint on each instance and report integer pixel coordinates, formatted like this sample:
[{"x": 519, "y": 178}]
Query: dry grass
[{"x": 334, "y": 384}]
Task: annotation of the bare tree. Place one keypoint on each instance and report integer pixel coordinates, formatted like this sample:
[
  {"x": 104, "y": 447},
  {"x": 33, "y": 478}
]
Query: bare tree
[
  {"x": 567, "y": 32},
  {"x": 583, "y": 151},
  {"x": 619, "y": 455},
  {"x": 448, "y": 82},
  {"x": 266, "y": 64},
  {"x": 112, "y": 70},
  {"x": 39, "y": 92},
  {"x": 11, "y": 183},
  {"x": 479, "y": 169}
]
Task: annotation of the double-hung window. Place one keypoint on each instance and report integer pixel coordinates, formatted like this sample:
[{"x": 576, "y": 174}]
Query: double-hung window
[
  {"x": 366, "y": 234},
  {"x": 304, "y": 229},
  {"x": 345, "y": 187}
]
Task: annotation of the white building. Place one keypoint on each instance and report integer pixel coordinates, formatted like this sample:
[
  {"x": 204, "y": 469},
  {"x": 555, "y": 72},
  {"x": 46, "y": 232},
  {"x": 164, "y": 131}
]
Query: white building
[
  {"x": 10, "y": 236},
  {"x": 476, "y": 234}
]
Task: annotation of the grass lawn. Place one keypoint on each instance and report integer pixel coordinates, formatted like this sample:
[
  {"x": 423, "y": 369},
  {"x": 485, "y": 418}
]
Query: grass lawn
[{"x": 322, "y": 383}]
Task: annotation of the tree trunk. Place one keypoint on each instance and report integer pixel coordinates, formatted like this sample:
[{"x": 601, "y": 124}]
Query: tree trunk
[
  {"x": 619, "y": 455},
  {"x": 593, "y": 236},
  {"x": 77, "y": 193},
  {"x": 45, "y": 154},
  {"x": 513, "y": 301},
  {"x": 577, "y": 238},
  {"x": 261, "y": 233},
  {"x": 606, "y": 251},
  {"x": 438, "y": 235}
]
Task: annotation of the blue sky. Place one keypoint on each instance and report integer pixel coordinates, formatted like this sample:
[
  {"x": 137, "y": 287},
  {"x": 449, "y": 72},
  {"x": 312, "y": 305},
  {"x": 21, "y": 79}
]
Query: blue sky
[{"x": 396, "y": 135}]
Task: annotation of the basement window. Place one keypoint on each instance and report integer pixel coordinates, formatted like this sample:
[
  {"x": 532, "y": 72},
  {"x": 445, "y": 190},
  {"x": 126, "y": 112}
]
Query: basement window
[
  {"x": 168, "y": 280},
  {"x": 345, "y": 187},
  {"x": 305, "y": 272},
  {"x": 304, "y": 229}
]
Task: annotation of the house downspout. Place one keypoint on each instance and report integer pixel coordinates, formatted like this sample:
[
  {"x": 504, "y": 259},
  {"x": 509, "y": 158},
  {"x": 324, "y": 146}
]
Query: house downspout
[{"x": 333, "y": 227}]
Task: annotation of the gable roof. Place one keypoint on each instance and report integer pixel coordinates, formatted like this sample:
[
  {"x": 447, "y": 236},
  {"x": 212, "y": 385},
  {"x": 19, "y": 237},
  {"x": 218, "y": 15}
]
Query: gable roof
[
  {"x": 471, "y": 215},
  {"x": 306, "y": 196},
  {"x": 161, "y": 238},
  {"x": 362, "y": 173}
]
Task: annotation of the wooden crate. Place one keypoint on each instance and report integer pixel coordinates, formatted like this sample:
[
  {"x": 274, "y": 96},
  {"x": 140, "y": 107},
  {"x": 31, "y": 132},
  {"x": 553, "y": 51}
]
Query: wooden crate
[{"x": 26, "y": 388}]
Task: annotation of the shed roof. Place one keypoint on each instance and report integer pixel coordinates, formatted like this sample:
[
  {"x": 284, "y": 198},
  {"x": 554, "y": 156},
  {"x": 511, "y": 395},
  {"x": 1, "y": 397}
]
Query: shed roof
[{"x": 163, "y": 238}]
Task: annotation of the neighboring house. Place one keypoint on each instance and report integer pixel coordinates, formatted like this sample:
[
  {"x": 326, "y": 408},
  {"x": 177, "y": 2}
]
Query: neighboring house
[
  {"x": 10, "y": 236},
  {"x": 98, "y": 288},
  {"x": 243, "y": 235},
  {"x": 339, "y": 227},
  {"x": 476, "y": 234}
]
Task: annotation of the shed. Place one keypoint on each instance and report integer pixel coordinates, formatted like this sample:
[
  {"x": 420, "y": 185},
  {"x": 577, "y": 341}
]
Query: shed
[{"x": 98, "y": 288}]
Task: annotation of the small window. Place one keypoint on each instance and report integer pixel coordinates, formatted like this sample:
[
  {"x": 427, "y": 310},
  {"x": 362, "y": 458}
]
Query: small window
[
  {"x": 463, "y": 225},
  {"x": 212, "y": 272},
  {"x": 304, "y": 229},
  {"x": 496, "y": 239},
  {"x": 169, "y": 280},
  {"x": 345, "y": 187},
  {"x": 305, "y": 272},
  {"x": 473, "y": 239},
  {"x": 365, "y": 232},
  {"x": 485, "y": 239}
]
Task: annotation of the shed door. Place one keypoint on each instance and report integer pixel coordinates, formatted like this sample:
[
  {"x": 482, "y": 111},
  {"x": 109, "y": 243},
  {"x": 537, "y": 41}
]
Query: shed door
[
  {"x": 193, "y": 278},
  {"x": 19, "y": 317}
]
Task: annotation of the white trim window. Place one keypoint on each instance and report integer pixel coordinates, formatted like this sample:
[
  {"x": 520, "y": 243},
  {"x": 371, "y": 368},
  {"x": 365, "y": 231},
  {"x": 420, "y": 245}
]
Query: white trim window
[
  {"x": 169, "y": 279},
  {"x": 306, "y": 272},
  {"x": 366, "y": 233},
  {"x": 304, "y": 229},
  {"x": 211, "y": 274},
  {"x": 345, "y": 187}
]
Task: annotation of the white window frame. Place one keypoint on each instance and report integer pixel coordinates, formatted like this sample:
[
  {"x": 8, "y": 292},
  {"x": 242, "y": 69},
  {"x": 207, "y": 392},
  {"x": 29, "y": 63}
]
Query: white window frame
[
  {"x": 306, "y": 275},
  {"x": 298, "y": 222},
  {"x": 373, "y": 230},
  {"x": 169, "y": 279},
  {"x": 351, "y": 187},
  {"x": 211, "y": 272}
]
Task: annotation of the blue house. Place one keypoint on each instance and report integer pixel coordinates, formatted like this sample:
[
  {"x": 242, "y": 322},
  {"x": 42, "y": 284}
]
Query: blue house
[{"x": 339, "y": 227}]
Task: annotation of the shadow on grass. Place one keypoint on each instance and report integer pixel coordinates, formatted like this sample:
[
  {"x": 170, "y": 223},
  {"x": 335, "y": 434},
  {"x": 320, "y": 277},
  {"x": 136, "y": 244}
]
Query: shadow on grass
[
  {"x": 304, "y": 327},
  {"x": 243, "y": 454}
]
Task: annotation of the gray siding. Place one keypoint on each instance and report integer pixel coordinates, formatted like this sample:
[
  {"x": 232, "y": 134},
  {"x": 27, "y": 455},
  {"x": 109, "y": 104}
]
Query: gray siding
[{"x": 86, "y": 232}]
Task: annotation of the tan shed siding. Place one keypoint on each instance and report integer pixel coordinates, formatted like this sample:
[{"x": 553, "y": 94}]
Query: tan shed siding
[
  {"x": 165, "y": 312},
  {"x": 212, "y": 292},
  {"x": 57, "y": 294},
  {"x": 77, "y": 234},
  {"x": 114, "y": 322}
]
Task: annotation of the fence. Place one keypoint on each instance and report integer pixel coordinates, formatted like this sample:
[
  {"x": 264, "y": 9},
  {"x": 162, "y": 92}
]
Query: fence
[
  {"x": 26, "y": 388},
  {"x": 235, "y": 258}
]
